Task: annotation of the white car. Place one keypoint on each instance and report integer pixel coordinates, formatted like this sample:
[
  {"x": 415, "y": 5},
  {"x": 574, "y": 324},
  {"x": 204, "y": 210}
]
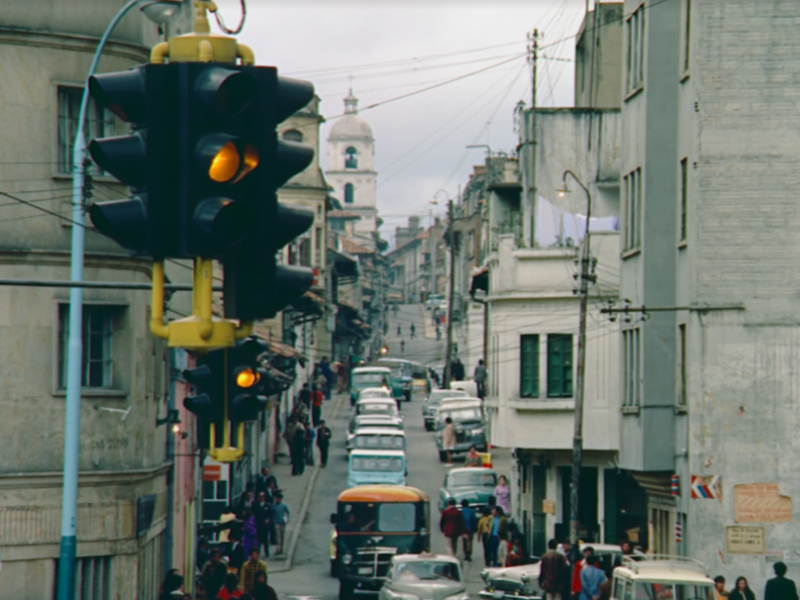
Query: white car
[
  {"x": 425, "y": 576},
  {"x": 384, "y": 421}
]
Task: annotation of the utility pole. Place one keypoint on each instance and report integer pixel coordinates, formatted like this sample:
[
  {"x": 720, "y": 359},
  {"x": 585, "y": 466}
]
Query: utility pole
[
  {"x": 448, "y": 357},
  {"x": 586, "y": 276},
  {"x": 529, "y": 146}
]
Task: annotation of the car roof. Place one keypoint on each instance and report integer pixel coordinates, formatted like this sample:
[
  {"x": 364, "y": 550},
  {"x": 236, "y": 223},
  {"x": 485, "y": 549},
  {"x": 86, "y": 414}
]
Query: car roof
[
  {"x": 461, "y": 404},
  {"x": 390, "y": 453},
  {"x": 381, "y": 370},
  {"x": 380, "y": 431},
  {"x": 667, "y": 569},
  {"x": 464, "y": 399},
  {"x": 374, "y": 390},
  {"x": 385, "y": 492},
  {"x": 377, "y": 420},
  {"x": 457, "y": 393},
  {"x": 425, "y": 556},
  {"x": 473, "y": 470},
  {"x": 377, "y": 400}
]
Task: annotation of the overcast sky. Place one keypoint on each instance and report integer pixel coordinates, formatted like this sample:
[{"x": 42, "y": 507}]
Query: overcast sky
[{"x": 411, "y": 45}]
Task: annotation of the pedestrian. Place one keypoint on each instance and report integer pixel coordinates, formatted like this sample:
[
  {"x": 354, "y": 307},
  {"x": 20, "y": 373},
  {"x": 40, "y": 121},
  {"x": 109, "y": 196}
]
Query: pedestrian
[
  {"x": 566, "y": 548},
  {"x": 503, "y": 494},
  {"x": 320, "y": 383},
  {"x": 323, "y": 442},
  {"x": 305, "y": 395},
  {"x": 473, "y": 458},
  {"x": 214, "y": 573},
  {"x": 591, "y": 578},
  {"x": 457, "y": 369},
  {"x": 247, "y": 502},
  {"x": 498, "y": 533},
  {"x": 203, "y": 552},
  {"x": 235, "y": 554},
  {"x": 263, "y": 480},
  {"x": 627, "y": 550},
  {"x": 288, "y": 436},
  {"x": 329, "y": 377},
  {"x": 171, "y": 588},
  {"x": 281, "y": 516},
  {"x": 399, "y": 331},
  {"x": 435, "y": 376},
  {"x": 449, "y": 440},
  {"x": 249, "y": 531},
  {"x": 231, "y": 588},
  {"x": 316, "y": 407},
  {"x": 298, "y": 451},
  {"x": 263, "y": 515},
  {"x": 780, "y": 587},
  {"x": 480, "y": 379},
  {"x": 309, "y": 439},
  {"x": 228, "y": 515},
  {"x": 262, "y": 591},
  {"x": 576, "y": 572},
  {"x": 553, "y": 572},
  {"x": 719, "y": 587},
  {"x": 484, "y": 531},
  {"x": 413, "y": 331},
  {"x": 470, "y": 527},
  {"x": 438, "y": 334},
  {"x": 741, "y": 591},
  {"x": 341, "y": 375},
  {"x": 451, "y": 523},
  {"x": 402, "y": 346},
  {"x": 251, "y": 569}
]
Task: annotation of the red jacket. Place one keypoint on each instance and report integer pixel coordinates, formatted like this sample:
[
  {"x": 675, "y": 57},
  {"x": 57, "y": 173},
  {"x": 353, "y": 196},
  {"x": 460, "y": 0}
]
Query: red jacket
[
  {"x": 452, "y": 522},
  {"x": 576, "y": 576}
]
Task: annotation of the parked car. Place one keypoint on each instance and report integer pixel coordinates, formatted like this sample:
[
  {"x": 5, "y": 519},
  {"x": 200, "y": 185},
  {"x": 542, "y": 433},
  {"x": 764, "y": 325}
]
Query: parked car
[
  {"x": 658, "y": 576},
  {"x": 360, "y": 422},
  {"x": 374, "y": 392},
  {"x": 431, "y": 405},
  {"x": 425, "y": 576},
  {"x": 368, "y": 377},
  {"x": 522, "y": 582},
  {"x": 470, "y": 425},
  {"x": 475, "y": 484}
]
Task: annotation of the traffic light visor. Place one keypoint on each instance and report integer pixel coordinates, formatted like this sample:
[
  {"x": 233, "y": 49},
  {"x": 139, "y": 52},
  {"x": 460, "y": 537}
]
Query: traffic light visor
[
  {"x": 226, "y": 159},
  {"x": 222, "y": 223},
  {"x": 197, "y": 376},
  {"x": 225, "y": 92},
  {"x": 121, "y": 92},
  {"x": 199, "y": 405},
  {"x": 123, "y": 156},
  {"x": 124, "y": 221}
]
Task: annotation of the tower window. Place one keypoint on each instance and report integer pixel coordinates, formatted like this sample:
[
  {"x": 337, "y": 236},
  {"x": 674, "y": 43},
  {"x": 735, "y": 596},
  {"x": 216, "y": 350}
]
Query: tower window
[
  {"x": 348, "y": 193},
  {"x": 351, "y": 158},
  {"x": 292, "y": 135}
]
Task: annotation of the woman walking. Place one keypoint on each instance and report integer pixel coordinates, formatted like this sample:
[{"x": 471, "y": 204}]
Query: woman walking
[
  {"x": 503, "y": 494},
  {"x": 741, "y": 591}
]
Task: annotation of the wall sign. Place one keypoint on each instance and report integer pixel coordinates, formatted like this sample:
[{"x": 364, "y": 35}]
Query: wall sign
[
  {"x": 708, "y": 487},
  {"x": 761, "y": 503},
  {"x": 745, "y": 540}
]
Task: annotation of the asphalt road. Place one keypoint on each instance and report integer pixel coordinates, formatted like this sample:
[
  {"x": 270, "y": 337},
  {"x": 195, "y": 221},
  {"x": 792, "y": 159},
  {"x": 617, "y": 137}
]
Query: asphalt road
[{"x": 310, "y": 577}]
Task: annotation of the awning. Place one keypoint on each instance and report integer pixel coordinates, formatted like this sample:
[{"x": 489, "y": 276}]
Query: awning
[
  {"x": 309, "y": 304},
  {"x": 342, "y": 264}
]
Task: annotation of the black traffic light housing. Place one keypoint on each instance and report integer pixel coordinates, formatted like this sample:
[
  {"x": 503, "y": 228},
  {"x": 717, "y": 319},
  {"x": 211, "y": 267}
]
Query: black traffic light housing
[
  {"x": 248, "y": 381},
  {"x": 207, "y": 402}
]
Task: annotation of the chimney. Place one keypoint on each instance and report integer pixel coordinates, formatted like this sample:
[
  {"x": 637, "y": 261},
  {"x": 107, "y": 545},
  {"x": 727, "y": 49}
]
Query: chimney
[{"x": 413, "y": 223}]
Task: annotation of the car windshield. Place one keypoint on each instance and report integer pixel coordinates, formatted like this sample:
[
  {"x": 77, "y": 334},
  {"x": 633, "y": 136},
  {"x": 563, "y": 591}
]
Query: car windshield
[
  {"x": 379, "y": 442},
  {"x": 365, "y": 380},
  {"x": 427, "y": 570},
  {"x": 669, "y": 591},
  {"x": 376, "y": 408},
  {"x": 369, "y": 517},
  {"x": 466, "y": 479},
  {"x": 462, "y": 414},
  {"x": 372, "y": 393},
  {"x": 383, "y": 464}
]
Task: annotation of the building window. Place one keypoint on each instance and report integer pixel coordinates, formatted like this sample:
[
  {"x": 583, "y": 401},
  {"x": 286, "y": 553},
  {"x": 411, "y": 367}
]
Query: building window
[
  {"x": 682, "y": 364},
  {"x": 351, "y": 158},
  {"x": 687, "y": 35},
  {"x": 529, "y": 366},
  {"x": 98, "y": 363},
  {"x": 99, "y": 123},
  {"x": 559, "y": 365},
  {"x": 348, "y": 193},
  {"x": 337, "y": 224},
  {"x": 633, "y": 209},
  {"x": 631, "y": 366},
  {"x": 92, "y": 578},
  {"x": 292, "y": 135},
  {"x": 634, "y": 33},
  {"x": 318, "y": 241},
  {"x": 684, "y": 192}
]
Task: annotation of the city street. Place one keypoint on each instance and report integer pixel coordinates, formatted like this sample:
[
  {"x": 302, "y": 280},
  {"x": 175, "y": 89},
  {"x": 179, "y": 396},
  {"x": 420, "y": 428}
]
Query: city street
[{"x": 310, "y": 576}]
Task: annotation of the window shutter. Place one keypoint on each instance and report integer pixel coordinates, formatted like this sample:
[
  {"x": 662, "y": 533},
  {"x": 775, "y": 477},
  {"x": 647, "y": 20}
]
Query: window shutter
[
  {"x": 529, "y": 366},
  {"x": 559, "y": 365}
]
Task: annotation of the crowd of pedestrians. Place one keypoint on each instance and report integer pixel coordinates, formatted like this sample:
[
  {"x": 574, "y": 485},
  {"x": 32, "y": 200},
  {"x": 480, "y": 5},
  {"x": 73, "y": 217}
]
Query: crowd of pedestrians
[{"x": 779, "y": 587}]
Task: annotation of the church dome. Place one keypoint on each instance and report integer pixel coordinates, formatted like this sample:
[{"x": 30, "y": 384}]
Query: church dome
[{"x": 351, "y": 125}]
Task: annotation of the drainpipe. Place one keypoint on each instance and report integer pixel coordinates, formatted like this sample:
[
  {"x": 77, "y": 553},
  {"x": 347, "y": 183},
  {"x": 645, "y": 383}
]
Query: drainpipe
[{"x": 168, "y": 533}]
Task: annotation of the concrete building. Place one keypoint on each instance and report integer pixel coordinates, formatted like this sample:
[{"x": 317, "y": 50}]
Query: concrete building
[
  {"x": 351, "y": 172},
  {"x": 709, "y": 164},
  {"x": 123, "y": 500},
  {"x": 598, "y": 48},
  {"x": 419, "y": 266}
]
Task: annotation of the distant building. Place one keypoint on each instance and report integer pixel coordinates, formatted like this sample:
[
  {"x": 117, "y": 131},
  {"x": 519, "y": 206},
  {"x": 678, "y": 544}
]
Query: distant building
[{"x": 351, "y": 172}]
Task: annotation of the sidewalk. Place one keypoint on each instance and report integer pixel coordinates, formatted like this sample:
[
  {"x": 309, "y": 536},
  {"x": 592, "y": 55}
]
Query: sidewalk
[{"x": 297, "y": 490}]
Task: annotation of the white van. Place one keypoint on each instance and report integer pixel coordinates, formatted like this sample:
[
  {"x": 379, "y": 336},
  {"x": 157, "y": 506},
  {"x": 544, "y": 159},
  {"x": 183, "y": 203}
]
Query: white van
[
  {"x": 662, "y": 577},
  {"x": 468, "y": 386}
]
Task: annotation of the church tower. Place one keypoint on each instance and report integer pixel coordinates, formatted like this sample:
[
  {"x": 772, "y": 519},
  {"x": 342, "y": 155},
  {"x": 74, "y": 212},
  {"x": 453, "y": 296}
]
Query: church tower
[{"x": 351, "y": 152}]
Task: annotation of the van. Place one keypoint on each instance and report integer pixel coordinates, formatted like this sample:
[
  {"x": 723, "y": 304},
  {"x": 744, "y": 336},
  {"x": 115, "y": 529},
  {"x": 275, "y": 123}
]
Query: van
[
  {"x": 468, "y": 386},
  {"x": 376, "y": 466},
  {"x": 378, "y": 438},
  {"x": 662, "y": 576}
]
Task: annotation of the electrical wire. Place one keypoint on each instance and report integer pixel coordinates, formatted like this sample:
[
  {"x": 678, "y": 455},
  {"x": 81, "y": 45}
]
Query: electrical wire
[{"x": 221, "y": 21}]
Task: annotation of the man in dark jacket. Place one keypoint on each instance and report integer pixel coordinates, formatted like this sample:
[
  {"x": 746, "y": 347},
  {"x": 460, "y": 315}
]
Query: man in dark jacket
[
  {"x": 553, "y": 573},
  {"x": 780, "y": 587},
  {"x": 214, "y": 573},
  {"x": 457, "y": 370},
  {"x": 263, "y": 515},
  {"x": 323, "y": 442},
  {"x": 452, "y": 525}
]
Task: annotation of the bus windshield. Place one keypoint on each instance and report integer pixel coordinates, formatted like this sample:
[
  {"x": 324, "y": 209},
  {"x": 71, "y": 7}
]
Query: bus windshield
[
  {"x": 384, "y": 464},
  {"x": 369, "y": 517},
  {"x": 379, "y": 442}
]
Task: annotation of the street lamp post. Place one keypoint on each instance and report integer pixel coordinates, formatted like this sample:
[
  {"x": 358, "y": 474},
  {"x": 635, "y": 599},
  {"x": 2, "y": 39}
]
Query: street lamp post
[
  {"x": 577, "y": 440},
  {"x": 158, "y": 11}
]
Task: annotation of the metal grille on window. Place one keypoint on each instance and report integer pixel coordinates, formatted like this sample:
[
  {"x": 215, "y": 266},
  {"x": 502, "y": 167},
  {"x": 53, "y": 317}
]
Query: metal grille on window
[
  {"x": 529, "y": 366},
  {"x": 559, "y": 365},
  {"x": 92, "y": 578},
  {"x": 97, "y": 364},
  {"x": 99, "y": 123}
]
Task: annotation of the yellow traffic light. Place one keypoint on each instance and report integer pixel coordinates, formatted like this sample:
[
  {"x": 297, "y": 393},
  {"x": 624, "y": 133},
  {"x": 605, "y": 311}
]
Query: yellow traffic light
[
  {"x": 249, "y": 162},
  {"x": 247, "y": 377},
  {"x": 225, "y": 164}
]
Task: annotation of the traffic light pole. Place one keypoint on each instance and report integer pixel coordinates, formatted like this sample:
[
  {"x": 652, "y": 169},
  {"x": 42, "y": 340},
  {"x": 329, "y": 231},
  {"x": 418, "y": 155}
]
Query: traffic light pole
[{"x": 72, "y": 425}]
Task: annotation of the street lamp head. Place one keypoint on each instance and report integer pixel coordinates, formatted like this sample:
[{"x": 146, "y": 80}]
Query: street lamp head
[
  {"x": 562, "y": 192},
  {"x": 160, "y": 11}
]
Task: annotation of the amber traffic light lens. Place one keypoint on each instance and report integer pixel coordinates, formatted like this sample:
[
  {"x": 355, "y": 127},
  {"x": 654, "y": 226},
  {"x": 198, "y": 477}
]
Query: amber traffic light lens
[
  {"x": 250, "y": 161},
  {"x": 225, "y": 164},
  {"x": 246, "y": 378}
]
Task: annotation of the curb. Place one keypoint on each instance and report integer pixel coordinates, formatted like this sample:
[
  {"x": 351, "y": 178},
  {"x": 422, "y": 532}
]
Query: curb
[{"x": 287, "y": 565}]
